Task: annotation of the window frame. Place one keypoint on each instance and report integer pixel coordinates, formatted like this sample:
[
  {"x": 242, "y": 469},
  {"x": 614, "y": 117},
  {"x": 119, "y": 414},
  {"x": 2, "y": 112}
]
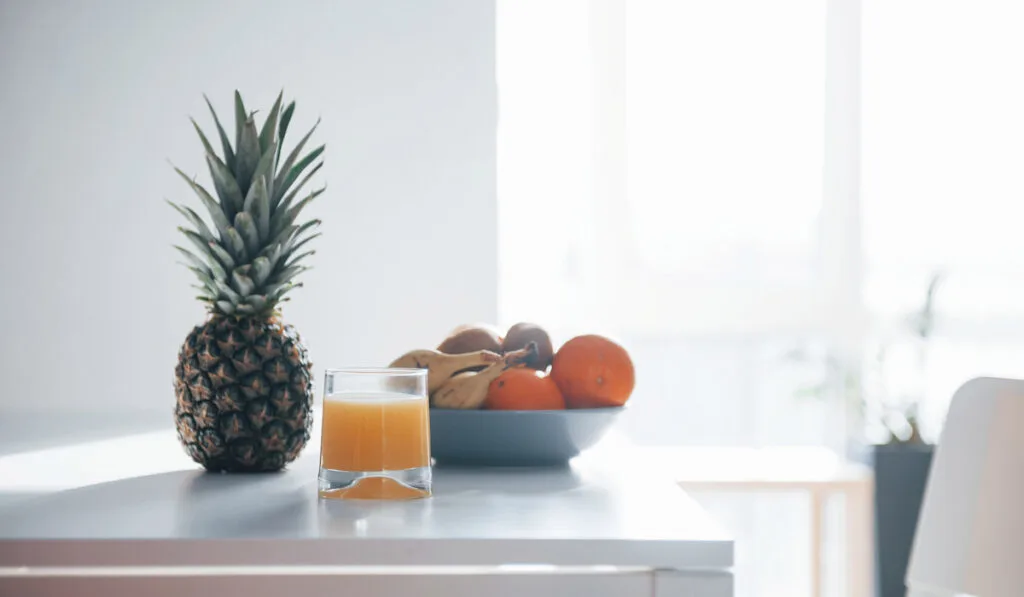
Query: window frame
[{"x": 832, "y": 306}]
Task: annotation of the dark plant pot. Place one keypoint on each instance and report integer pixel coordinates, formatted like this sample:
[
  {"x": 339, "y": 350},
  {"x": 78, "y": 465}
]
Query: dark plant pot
[{"x": 901, "y": 473}]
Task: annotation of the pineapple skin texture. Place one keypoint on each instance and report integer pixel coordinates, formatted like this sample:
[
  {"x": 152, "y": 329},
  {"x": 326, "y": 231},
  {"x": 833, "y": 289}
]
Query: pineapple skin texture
[{"x": 244, "y": 390}]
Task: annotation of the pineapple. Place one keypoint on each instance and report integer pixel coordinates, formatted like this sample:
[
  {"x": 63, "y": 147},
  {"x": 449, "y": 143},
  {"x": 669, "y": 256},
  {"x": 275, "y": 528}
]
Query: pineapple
[{"x": 243, "y": 381}]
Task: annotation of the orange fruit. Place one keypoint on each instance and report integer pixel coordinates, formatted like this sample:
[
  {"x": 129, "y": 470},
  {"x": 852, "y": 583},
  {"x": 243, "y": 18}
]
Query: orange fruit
[
  {"x": 593, "y": 371},
  {"x": 524, "y": 389}
]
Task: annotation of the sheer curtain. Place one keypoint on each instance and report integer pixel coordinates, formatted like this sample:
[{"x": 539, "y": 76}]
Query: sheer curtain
[
  {"x": 943, "y": 181},
  {"x": 661, "y": 175},
  {"x": 689, "y": 176}
]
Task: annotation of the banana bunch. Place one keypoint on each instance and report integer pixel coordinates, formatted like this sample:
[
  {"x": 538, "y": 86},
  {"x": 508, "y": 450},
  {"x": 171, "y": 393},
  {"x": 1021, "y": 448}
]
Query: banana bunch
[{"x": 461, "y": 380}]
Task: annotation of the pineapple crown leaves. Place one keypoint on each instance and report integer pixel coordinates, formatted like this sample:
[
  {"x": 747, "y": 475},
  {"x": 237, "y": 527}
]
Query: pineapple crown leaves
[{"x": 247, "y": 257}]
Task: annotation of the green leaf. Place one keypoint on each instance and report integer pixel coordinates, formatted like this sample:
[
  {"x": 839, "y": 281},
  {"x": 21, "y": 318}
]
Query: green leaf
[
  {"x": 288, "y": 273},
  {"x": 306, "y": 226},
  {"x": 229, "y": 154},
  {"x": 297, "y": 169},
  {"x": 205, "y": 248},
  {"x": 256, "y": 204},
  {"x": 245, "y": 309},
  {"x": 299, "y": 244},
  {"x": 269, "y": 131},
  {"x": 261, "y": 269},
  {"x": 202, "y": 137},
  {"x": 272, "y": 254},
  {"x": 226, "y": 291},
  {"x": 193, "y": 219},
  {"x": 290, "y": 246},
  {"x": 225, "y": 258},
  {"x": 291, "y": 196},
  {"x": 265, "y": 169},
  {"x": 293, "y": 212},
  {"x": 256, "y": 301},
  {"x": 284, "y": 218},
  {"x": 300, "y": 258},
  {"x": 236, "y": 245},
  {"x": 240, "y": 117},
  {"x": 273, "y": 289},
  {"x": 226, "y": 307},
  {"x": 271, "y": 251},
  {"x": 193, "y": 259},
  {"x": 208, "y": 281},
  {"x": 247, "y": 228},
  {"x": 285, "y": 169},
  {"x": 242, "y": 283},
  {"x": 248, "y": 155},
  {"x": 216, "y": 212},
  {"x": 286, "y": 118},
  {"x": 281, "y": 238},
  {"x": 210, "y": 265},
  {"x": 225, "y": 184},
  {"x": 200, "y": 272},
  {"x": 282, "y": 289}
]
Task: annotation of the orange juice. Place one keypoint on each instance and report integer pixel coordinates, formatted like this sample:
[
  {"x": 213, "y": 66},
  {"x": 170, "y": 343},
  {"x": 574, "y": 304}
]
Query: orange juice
[{"x": 375, "y": 432}]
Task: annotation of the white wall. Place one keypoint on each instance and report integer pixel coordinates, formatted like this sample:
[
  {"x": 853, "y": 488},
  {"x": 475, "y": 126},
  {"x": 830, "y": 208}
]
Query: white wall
[{"x": 95, "y": 98}]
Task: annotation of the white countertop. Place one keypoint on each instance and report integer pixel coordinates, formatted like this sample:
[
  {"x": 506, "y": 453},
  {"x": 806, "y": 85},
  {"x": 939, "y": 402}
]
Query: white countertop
[{"x": 138, "y": 500}]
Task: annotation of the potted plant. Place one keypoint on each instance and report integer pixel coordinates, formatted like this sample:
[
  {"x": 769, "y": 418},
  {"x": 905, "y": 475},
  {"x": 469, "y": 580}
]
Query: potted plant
[
  {"x": 902, "y": 461},
  {"x": 886, "y": 393}
]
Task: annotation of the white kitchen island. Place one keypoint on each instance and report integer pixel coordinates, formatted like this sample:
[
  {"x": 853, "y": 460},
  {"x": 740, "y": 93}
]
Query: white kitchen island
[{"x": 134, "y": 515}]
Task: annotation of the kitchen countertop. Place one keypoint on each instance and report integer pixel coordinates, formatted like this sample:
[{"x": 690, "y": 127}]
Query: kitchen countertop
[{"x": 138, "y": 500}]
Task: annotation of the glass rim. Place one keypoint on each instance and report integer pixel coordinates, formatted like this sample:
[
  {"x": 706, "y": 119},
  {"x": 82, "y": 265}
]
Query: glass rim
[{"x": 377, "y": 371}]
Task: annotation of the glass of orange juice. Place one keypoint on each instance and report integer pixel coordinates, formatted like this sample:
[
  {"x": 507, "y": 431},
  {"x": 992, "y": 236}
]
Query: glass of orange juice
[{"x": 375, "y": 441}]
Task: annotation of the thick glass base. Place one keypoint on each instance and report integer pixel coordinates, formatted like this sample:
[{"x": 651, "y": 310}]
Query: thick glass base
[{"x": 407, "y": 484}]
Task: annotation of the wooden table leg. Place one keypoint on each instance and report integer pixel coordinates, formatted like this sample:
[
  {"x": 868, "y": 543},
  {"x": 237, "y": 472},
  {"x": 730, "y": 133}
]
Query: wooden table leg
[
  {"x": 817, "y": 541},
  {"x": 860, "y": 580}
]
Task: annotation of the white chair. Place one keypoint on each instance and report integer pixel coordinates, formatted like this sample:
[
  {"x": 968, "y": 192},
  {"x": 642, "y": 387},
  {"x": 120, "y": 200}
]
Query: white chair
[{"x": 970, "y": 535}]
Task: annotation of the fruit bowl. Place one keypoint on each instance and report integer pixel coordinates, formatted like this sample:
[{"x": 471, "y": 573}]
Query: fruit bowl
[{"x": 516, "y": 437}]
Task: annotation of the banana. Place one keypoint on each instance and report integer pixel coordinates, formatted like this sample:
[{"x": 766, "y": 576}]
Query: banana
[
  {"x": 468, "y": 390},
  {"x": 441, "y": 366}
]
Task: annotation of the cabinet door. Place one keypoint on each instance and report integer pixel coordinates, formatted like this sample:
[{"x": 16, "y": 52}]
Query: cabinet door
[{"x": 332, "y": 584}]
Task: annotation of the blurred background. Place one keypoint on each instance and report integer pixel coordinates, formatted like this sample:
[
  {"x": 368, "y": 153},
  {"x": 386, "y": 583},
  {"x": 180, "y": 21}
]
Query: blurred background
[
  {"x": 799, "y": 215},
  {"x": 758, "y": 206}
]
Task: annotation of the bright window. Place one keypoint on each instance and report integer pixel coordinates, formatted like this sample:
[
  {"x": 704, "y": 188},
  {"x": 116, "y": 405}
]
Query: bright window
[{"x": 720, "y": 184}]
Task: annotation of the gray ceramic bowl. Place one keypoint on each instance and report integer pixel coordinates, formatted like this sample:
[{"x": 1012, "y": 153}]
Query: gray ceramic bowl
[{"x": 515, "y": 437}]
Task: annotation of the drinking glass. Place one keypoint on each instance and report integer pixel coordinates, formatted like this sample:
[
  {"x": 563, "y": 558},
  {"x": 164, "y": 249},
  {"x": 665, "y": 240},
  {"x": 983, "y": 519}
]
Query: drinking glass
[{"x": 375, "y": 441}]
